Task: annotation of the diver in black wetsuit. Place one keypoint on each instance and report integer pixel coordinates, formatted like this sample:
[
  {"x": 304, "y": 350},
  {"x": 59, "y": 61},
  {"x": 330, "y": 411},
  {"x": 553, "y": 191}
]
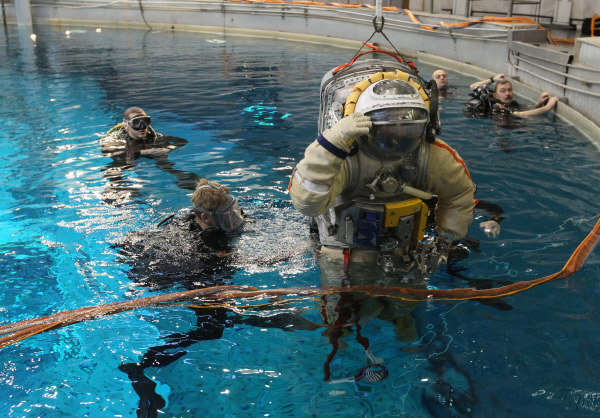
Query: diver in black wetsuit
[
  {"x": 191, "y": 249},
  {"x": 501, "y": 100},
  {"x": 132, "y": 139}
]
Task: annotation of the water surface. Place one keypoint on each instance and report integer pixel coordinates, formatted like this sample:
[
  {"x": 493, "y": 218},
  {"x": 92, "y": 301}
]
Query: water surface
[{"x": 248, "y": 108}]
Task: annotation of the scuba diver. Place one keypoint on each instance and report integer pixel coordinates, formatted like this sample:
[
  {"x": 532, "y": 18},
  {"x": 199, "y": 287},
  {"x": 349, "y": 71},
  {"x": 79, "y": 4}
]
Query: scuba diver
[
  {"x": 441, "y": 80},
  {"x": 203, "y": 245},
  {"x": 137, "y": 137},
  {"x": 501, "y": 100},
  {"x": 363, "y": 183},
  {"x": 192, "y": 249},
  {"x": 130, "y": 140},
  {"x": 189, "y": 249}
]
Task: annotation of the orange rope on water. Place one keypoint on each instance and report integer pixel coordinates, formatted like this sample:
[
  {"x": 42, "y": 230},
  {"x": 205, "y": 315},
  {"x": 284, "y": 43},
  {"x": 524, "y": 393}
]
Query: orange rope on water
[{"x": 28, "y": 328}]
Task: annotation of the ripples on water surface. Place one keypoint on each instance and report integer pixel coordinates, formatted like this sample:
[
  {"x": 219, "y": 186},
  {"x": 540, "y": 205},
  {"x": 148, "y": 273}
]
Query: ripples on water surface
[{"x": 248, "y": 108}]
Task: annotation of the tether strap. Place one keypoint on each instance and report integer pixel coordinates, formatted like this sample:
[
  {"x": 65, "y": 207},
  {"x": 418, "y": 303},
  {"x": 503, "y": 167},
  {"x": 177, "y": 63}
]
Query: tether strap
[
  {"x": 331, "y": 148},
  {"x": 346, "y": 259}
]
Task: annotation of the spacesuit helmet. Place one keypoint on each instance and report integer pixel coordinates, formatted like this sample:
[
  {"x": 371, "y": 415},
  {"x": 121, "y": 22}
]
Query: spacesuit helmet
[{"x": 399, "y": 116}]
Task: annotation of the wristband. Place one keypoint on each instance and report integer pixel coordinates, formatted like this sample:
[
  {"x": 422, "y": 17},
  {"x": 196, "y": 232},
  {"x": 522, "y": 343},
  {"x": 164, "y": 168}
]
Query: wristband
[
  {"x": 492, "y": 79},
  {"x": 340, "y": 153}
]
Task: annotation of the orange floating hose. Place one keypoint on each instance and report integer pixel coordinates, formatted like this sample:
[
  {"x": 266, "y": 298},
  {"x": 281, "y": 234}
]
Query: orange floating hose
[
  {"x": 415, "y": 20},
  {"x": 24, "y": 329}
]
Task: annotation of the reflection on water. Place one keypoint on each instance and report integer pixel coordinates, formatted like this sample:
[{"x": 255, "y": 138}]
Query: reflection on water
[{"x": 247, "y": 118}]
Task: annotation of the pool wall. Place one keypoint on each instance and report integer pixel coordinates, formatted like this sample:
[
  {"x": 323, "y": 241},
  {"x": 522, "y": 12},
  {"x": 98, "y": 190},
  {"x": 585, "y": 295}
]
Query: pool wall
[{"x": 571, "y": 72}]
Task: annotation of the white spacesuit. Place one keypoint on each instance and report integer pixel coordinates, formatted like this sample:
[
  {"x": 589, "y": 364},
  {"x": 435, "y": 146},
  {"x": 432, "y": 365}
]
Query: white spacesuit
[{"x": 363, "y": 180}]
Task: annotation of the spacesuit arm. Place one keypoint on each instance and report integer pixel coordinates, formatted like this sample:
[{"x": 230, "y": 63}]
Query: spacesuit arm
[
  {"x": 449, "y": 179},
  {"x": 318, "y": 179},
  {"x": 322, "y": 174}
]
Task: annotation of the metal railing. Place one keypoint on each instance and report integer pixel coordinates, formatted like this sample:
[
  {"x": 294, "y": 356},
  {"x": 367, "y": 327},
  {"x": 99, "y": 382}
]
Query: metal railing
[{"x": 524, "y": 57}]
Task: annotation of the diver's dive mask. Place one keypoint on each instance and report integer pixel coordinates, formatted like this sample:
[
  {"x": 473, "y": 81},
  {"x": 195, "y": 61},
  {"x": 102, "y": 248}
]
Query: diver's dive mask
[
  {"x": 139, "y": 123},
  {"x": 228, "y": 216}
]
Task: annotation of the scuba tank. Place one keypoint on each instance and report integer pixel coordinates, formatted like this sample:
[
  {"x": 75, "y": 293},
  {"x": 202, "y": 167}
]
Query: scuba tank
[{"x": 480, "y": 103}]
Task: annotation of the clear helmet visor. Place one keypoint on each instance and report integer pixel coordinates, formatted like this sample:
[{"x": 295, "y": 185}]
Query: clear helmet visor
[
  {"x": 229, "y": 216},
  {"x": 395, "y": 132}
]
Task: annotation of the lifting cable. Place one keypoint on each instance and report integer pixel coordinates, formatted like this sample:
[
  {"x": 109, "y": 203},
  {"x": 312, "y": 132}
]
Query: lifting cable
[
  {"x": 4, "y": 18},
  {"x": 378, "y": 23},
  {"x": 142, "y": 13},
  {"x": 21, "y": 330}
]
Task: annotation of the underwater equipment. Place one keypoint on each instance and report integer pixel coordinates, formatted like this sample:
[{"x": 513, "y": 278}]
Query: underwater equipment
[
  {"x": 372, "y": 374},
  {"x": 481, "y": 102},
  {"x": 502, "y": 109},
  {"x": 342, "y": 87},
  {"x": 107, "y": 135},
  {"x": 228, "y": 216},
  {"x": 139, "y": 123}
]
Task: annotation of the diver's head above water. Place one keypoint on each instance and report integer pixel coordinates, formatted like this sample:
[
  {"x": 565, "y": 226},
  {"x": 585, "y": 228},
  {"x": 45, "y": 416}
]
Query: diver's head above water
[
  {"x": 136, "y": 122},
  {"x": 441, "y": 79},
  {"x": 214, "y": 207},
  {"x": 503, "y": 92}
]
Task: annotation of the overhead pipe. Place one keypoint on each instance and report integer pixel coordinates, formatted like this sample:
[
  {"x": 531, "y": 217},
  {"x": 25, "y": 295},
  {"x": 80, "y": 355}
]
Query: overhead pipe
[
  {"x": 4, "y": 15},
  {"x": 378, "y": 22}
]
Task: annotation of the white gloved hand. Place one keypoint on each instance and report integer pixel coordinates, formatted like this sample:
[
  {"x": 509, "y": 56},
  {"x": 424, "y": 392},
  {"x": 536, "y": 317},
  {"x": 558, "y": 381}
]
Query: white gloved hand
[
  {"x": 343, "y": 133},
  {"x": 491, "y": 228}
]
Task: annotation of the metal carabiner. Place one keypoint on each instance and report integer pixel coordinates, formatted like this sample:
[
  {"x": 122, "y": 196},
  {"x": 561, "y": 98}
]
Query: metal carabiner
[{"x": 378, "y": 27}]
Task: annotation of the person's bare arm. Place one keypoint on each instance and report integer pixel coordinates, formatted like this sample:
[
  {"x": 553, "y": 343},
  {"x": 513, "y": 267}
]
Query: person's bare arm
[
  {"x": 497, "y": 77},
  {"x": 538, "y": 111}
]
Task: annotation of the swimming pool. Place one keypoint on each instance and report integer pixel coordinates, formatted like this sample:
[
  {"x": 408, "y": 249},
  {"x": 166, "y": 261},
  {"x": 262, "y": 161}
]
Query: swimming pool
[{"x": 248, "y": 108}]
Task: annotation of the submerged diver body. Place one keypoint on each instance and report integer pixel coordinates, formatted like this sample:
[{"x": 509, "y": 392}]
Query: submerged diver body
[
  {"x": 135, "y": 138},
  {"x": 192, "y": 249}
]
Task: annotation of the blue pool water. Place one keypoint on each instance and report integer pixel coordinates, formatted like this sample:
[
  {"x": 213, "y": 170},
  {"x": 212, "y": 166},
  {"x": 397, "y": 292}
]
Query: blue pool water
[{"x": 248, "y": 108}]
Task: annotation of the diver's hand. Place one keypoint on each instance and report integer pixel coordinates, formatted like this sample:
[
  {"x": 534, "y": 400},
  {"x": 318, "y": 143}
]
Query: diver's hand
[
  {"x": 154, "y": 151},
  {"x": 491, "y": 228},
  {"x": 499, "y": 77},
  {"x": 551, "y": 102},
  {"x": 343, "y": 133},
  {"x": 543, "y": 100}
]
